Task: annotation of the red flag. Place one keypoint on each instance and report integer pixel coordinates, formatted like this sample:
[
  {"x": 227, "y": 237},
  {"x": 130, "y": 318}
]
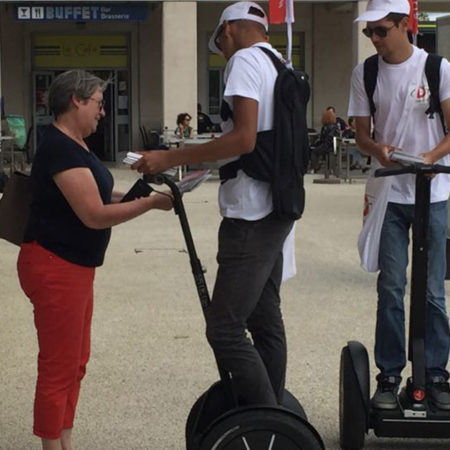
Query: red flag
[
  {"x": 277, "y": 11},
  {"x": 414, "y": 17}
]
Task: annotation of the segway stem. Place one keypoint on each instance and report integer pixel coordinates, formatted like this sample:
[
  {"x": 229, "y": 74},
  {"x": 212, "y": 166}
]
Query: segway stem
[{"x": 419, "y": 279}]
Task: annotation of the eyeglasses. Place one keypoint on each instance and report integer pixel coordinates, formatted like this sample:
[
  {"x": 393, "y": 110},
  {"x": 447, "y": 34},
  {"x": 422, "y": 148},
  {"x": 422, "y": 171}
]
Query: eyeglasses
[
  {"x": 100, "y": 103},
  {"x": 379, "y": 31}
]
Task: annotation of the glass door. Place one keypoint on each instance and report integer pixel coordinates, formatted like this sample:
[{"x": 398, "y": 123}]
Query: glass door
[
  {"x": 41, "y": 114},
  {"x": 122, "y": 112},
  {"x": 102, "y": 141}
]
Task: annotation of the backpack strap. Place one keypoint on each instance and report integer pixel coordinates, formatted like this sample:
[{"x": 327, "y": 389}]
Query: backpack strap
[
  {"x": 370, "y": 80},
  {"x": 225, "y": 111},
  {"x": 432, "y": 72},
  {"x": 229, "y": 170},
  {"x": 275, "y": 60}
]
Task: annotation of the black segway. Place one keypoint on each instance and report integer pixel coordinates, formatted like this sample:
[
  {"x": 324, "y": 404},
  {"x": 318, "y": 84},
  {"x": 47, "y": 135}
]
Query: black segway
[
  {"x": 415, "y": 416},
  {"x": 217, "y": 421}
]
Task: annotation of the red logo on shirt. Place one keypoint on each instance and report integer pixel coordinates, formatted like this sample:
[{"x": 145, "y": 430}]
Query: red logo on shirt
[{"x": 421, "y": 93}]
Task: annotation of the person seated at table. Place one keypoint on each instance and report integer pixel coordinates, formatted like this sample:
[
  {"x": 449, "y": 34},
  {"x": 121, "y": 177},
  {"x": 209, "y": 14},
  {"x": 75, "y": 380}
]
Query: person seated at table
[
  {"x": 183, "y": 129},
  {"x": 354, "y": 153},
  {"x": 339, "y": 121},
  {"x": 204, "y": 122},
  {"x": 324, "y": 145}
]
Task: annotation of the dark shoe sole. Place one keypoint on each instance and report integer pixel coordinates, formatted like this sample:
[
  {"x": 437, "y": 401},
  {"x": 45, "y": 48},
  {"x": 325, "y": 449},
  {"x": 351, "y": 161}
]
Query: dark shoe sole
[
  {"x": 389, "y": 406},
  {"x": 443, "y": 406}
]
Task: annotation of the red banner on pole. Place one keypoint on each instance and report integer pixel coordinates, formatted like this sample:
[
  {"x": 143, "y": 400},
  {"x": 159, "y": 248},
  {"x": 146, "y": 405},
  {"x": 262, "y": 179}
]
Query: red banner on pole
[
  {"x": 414, "y": 17},
  {"x": 277, "y": 11}
]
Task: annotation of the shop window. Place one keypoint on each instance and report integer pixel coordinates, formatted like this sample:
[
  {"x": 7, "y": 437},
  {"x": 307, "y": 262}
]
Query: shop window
[{"x": 215, "y": 84}]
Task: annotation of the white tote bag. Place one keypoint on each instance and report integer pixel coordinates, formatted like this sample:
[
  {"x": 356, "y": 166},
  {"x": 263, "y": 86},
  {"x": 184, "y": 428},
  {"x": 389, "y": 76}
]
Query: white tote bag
[
  {"x": 375, "y": 203},
  {"x": 289, "y": 262}
]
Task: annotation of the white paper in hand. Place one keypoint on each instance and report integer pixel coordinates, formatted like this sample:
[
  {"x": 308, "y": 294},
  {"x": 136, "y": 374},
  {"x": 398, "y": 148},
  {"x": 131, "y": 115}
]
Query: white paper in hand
[
  {"x": 131, "y": 158},
  {"x": 405, "y": 158}
]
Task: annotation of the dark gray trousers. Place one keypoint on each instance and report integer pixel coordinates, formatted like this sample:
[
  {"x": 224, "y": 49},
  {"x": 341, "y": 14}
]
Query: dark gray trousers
[{"x": 246, "y": 297}]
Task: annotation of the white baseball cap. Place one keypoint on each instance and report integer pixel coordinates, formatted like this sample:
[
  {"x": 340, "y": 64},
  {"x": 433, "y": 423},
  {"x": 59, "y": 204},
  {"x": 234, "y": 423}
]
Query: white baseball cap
[
  {"x": 238, "y": 11},
  {"x": 378, "y": 9}
]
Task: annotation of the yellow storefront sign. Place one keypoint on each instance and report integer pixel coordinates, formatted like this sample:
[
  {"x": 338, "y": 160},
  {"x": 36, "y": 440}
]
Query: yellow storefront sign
[{"x": 87, "y": 51}]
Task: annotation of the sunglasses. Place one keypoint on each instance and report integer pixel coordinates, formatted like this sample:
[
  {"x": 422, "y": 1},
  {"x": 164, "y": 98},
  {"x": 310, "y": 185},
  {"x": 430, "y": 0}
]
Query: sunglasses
[{"x": 379, "y": 31}]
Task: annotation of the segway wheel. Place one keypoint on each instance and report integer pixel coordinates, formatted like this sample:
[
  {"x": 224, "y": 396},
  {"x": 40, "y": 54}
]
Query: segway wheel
[
  {"x": 352, "y": 413},
  {"x": 261, "y": 428},
  {"x": 213, "y": 403},
  {"x": 291, "y": 403},
  {"x": 208, "y": 407}
]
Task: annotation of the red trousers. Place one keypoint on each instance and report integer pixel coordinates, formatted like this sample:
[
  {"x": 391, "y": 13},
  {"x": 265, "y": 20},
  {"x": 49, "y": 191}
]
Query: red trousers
[{"x": 62, "y": 295}]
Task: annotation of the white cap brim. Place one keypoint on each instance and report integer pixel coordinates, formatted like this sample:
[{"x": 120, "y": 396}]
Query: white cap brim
[
  {"x": 212, "y": 41},
  {"x": 238, "y": 11},
  {"x": 371, "y": 16}
]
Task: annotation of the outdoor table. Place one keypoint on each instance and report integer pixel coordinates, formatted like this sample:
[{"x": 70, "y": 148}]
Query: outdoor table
[{"x": 342, "y": 148}]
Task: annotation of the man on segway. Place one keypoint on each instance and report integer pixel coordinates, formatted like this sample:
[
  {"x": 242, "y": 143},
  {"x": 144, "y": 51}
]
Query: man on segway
[
  {"x": 398, "y": 105},
  {"x": 251, "y": 237}
]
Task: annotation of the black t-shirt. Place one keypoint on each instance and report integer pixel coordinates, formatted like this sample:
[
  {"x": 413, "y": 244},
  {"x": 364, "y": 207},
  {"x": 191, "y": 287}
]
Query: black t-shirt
[{"x": 52, "y": 222}]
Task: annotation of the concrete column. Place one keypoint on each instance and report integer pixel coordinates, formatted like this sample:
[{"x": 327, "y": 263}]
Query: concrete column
[
  {"x": 179, "y": 61},
  {"x": 1, "y": 38},
  {"x": 362, "y": 46}
]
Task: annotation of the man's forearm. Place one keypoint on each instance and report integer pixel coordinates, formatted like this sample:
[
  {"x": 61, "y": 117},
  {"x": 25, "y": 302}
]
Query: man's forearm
[
  {"x": 368, "y": 146},
  {"x": 441, "y": 150},
  {"x": 227, "y": 146}
]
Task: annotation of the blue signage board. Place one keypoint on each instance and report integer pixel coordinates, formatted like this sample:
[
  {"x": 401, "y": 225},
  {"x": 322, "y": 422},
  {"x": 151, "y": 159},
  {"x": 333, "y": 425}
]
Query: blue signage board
[{"x": 84, "y": 12}]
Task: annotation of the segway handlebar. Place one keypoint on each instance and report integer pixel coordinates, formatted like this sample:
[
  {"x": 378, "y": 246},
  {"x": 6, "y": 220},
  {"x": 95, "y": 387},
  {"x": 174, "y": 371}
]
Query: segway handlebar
[{"x": 412, "y": 168}]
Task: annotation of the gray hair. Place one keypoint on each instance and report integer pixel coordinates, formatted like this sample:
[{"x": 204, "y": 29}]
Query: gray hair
[{"x": 73, "y": 82}]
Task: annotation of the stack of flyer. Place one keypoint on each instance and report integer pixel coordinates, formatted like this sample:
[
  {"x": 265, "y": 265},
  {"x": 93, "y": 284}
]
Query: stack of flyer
[
  {"x": 405, "y": 158},
  {"x": 132, "y": 157},
  {"x": 193, "y": 180}
]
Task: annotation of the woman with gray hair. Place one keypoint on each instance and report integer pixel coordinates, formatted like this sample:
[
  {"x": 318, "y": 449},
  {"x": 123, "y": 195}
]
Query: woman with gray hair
[{"x": 73, "y": 208}]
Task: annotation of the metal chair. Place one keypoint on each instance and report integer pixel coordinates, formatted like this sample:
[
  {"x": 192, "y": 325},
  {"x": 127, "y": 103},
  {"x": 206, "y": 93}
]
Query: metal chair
[{"x": 21, "y": 150}]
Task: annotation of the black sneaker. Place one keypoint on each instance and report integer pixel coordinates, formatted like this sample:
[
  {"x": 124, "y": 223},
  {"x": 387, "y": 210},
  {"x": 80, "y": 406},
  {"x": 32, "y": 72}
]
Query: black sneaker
[
  {"x": 385, "y": 396},
  {"x": 439, "y": 392}
]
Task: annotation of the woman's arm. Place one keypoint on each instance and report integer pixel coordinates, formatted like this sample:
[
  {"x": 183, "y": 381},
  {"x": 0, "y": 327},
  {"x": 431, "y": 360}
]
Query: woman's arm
[
  {"x": 81, "y": 192},
  {"x": 116, "y": 196}
]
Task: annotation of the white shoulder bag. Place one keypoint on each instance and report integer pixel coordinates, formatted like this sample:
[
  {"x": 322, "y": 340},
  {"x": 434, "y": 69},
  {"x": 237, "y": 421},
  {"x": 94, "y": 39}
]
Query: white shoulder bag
[{"x": 375, "y": 203}]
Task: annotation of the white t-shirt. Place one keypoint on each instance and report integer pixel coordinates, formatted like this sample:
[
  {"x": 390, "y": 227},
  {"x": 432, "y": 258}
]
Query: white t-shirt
[
  {"x": 250, "y": 74},
  {"x": 401, "y": 98}
]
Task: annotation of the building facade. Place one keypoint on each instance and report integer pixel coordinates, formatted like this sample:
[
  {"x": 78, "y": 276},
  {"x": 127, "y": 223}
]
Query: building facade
[{"x": 157, "y": 57}]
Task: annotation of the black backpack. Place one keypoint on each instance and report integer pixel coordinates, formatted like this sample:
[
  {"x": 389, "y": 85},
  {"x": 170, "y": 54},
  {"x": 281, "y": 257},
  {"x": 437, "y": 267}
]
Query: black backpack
[
  {"x": 281, "y": 155},
  {"x": 432, "y": 72}
]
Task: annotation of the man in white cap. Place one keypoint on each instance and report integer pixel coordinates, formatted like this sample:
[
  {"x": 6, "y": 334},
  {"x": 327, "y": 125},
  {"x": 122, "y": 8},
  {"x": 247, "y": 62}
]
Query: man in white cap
[
  {"x": 401, "y": 98},
  {"x": 246, "y": 292}
]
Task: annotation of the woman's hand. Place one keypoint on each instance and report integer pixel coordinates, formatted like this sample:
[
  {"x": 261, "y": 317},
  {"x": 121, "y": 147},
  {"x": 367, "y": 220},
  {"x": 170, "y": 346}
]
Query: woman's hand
[{"x": 163, "y": 201}]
